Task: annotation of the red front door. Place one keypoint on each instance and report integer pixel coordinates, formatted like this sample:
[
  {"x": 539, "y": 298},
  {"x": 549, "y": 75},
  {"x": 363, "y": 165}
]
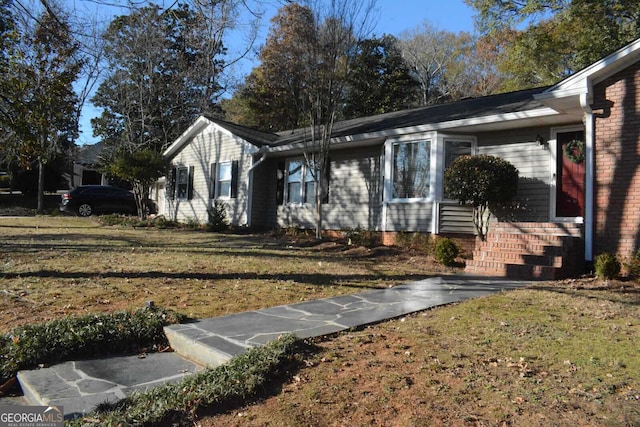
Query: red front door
[{"x": 570, "y": 174}]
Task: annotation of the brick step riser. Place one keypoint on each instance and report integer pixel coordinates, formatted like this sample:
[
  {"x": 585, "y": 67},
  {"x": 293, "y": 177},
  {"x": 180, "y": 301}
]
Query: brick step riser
[
  {"x": 516, "y": 271},
  {"x": 541, "y": 260},
  {"x": 546, "y": 239},
  {"x": 521, "y": 248},
  {"x": 572, "y": 230},
  {"x": 536, "y": 232}
]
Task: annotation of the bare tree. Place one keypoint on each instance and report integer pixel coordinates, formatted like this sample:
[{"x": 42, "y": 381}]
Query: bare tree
[
  {"x": 339, "y": 26},
  {"x": 427, "y": 51}
]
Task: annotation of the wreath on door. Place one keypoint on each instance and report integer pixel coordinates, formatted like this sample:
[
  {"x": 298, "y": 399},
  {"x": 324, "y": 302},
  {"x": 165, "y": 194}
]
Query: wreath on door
[{"x": 574, "y": 150}]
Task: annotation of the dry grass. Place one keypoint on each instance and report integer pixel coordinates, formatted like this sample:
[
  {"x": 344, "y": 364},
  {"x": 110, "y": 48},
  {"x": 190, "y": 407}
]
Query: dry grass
[
  {"x": 54, "y": 267},
  {"x": 535, "y": 357},
  {"x": 557, "y": 354}
]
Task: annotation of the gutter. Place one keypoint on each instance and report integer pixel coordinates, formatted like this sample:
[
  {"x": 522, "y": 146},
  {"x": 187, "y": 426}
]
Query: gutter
[
  {"x": 250, "y": 188},
  {"x": 586, "y": 99}
]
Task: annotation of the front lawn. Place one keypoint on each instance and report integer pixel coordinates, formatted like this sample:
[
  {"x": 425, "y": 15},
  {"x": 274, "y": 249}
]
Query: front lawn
[
  {"x": 554, "y": 354},
  {"x": 52, "y": 267}
]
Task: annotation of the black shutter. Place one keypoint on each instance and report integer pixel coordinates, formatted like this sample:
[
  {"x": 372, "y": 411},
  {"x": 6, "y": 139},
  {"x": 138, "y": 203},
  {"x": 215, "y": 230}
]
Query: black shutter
[
  {"x": 326, "y": 182},
  {"x": 171, "y": 184},
  {"x": 190, "y": 188},
  {"x": 212, "y": 180},
  {"x": 280, "y": 183},
  {"x": 234, "y": 179}
]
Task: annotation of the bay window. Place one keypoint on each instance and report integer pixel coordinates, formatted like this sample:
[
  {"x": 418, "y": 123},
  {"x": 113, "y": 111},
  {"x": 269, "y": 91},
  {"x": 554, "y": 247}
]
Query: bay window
[{"x": 411, "y": 170}]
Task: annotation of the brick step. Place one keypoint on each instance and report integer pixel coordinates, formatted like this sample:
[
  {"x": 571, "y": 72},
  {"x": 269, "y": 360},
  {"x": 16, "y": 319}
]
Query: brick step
[
  {"x": 513, "y": 271},
  {"x": 560, "y": 229},
  {"x": 526, "y": 248},
  {"x": 519, "y": 258},
  {"x": 544, "y": 238}
]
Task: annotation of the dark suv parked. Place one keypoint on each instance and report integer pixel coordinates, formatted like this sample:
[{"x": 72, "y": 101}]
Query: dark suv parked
[{"x": 89, "y": 199}]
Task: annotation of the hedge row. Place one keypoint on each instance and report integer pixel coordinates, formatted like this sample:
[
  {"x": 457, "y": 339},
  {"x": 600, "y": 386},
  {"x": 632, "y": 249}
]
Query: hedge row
[
  {"x": 242, "y": 378},
  {"x": 26, "y": 347}
]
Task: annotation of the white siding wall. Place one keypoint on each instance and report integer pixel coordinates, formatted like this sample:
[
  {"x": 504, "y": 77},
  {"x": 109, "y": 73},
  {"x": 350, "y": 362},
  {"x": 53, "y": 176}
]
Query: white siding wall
[
  {"x": 410, "y": 217},
  {"x": 532, "y": 161},
  {"x": 355, "y": 194},
  {"x": 207, "y": 147}
]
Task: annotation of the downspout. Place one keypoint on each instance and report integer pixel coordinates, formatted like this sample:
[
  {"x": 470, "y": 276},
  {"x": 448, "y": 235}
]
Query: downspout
[
  {"x": 585, "y": 102},
  {"x": 250, "y": 188}
]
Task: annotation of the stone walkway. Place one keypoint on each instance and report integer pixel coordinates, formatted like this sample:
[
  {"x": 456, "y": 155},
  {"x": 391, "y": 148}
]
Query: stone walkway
[{"x": 79, "y": 386}]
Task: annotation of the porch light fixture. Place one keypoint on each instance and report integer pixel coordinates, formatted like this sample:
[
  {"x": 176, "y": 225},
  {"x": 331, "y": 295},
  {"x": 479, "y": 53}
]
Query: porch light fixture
[{"x": 541, "y": 142}]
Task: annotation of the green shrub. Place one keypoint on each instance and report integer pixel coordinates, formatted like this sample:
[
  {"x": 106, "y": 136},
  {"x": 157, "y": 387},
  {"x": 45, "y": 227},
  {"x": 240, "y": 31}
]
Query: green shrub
[
  {"x": 483, "y": 182},
  {"x": 446, "y": 251},
  {"x": 237, "y": 380},
  {"x": 607, "y": 266},
  {"x": 361, "y": 237},
  {"x": 93, "y": 335},
  {"x": 217, "y": 217}
]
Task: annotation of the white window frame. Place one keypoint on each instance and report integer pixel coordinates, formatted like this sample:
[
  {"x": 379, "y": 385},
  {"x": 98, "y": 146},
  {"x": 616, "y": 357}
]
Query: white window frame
[
  {"x": 223, "y": 179},
  {"x": 306, "y": 176},
  {"x": 182, "y": 171},
  {"x": 430, "y": 139}
]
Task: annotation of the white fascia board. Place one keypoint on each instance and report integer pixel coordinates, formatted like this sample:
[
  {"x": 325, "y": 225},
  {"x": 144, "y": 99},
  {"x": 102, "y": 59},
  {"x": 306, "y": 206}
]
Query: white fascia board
[
  {"x": 574, "y": 91},
  {"x": 600, "y": 70},
  {"x": 475, "y": 121},
  {"x": 199, "y": 124}
]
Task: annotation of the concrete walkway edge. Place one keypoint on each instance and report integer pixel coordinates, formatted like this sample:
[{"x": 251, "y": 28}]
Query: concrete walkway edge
[{"x": 79, "y": 386}]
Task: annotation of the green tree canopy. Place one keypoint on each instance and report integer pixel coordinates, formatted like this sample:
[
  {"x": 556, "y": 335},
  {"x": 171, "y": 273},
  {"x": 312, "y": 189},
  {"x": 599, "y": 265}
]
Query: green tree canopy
[
  {"x": 39, "y": 106},
  {"x": 163, "y": 73},
  {"x": 551, "y": 39},
  {"x": 141, "y": 169},
  {"x": 272, "y": 95},
  {"x": 379, "y": 81}
]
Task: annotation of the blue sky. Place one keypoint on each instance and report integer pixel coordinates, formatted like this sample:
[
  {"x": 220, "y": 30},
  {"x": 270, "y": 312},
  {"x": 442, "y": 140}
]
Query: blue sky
[{"x": 393, "y": 17}]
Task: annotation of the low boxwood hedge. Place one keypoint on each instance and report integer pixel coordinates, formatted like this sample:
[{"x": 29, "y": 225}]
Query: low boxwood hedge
[
  {"x": 26, "y": 347},
  {"x": 242, "y": 378}
]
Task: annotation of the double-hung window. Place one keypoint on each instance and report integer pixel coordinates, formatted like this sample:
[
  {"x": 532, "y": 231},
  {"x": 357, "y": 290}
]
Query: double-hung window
[
  {"x": 224, "y": 176},
  {"x": 309, "y": 193},
  {"x": 182, "y": 182},
  {"x": 223, "y": 180},
  {"x": 301, "y": 184},
  {"x": 411, "y": 170}
]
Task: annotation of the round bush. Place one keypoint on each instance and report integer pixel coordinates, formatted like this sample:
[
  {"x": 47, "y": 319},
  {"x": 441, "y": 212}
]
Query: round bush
[
  {"x": 607, "y": 266},
  {"x": 446, "y": 251}
]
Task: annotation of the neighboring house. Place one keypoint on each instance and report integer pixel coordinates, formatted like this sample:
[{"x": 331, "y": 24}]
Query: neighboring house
[
  {"x": 84, "y": 166},
  {"x": 576, "y": 146}
]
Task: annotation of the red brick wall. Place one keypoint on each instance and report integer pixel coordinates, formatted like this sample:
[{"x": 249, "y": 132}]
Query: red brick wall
[{"x": 617, "y": 163}]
